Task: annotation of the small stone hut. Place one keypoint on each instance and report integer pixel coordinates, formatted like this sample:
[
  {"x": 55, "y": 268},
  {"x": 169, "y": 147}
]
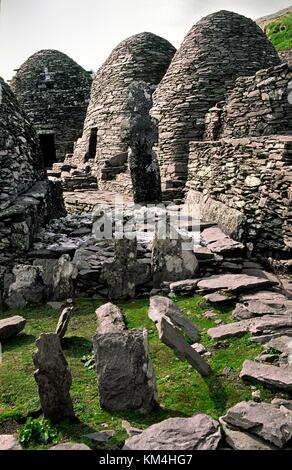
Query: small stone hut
[
  {"x": 144, "y": 58},
  {"x": 219, "y": 48},
  {"x": 54, "y": 91}
]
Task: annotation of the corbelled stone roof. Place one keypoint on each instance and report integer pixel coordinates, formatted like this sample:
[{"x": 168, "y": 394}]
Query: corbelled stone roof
[
  {"x": 217, "y": 50},
  {"x": 143, "y": 57}
]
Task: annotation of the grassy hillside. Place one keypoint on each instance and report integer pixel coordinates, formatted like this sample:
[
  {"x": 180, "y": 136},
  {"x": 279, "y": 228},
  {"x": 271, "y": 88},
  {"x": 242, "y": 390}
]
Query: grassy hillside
[{"x": 280, "y": 32}]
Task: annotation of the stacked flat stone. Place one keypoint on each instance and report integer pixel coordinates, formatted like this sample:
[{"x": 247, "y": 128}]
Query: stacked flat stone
[
  {"x": 54, "y": 91},
  {"x": 20, "y": 160},
  {"x": 246, "y": 185},
  {"x": 259, "y": 105},
  {"x": 286, "y": 56},
  {"x": 143, "y": 57},
  {"x": 218, "y": 49}
]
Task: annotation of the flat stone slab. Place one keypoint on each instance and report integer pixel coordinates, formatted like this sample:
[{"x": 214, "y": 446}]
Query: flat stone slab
[
  {"x": 270, "y": 323},
  {"x": 229, "y": 330},
  {"x": 219, "y": 242},
  {"x": 219, "y": 299},
  {"x": 235, "y": 283},
  {"x": 279, "y": 378},
  {"x": 186, "y": 286},
  {"x": 240, "y": 440},
  {"x": 281, "y": 343},
  {"x": 70, "y": 446},
  {"x": 172, "y": 337},
  {"x": 9, "y": 442},
  {"x": 101, "y": 437},
  {"x": 163, "y": 306},
  {"x": 274, "y": 299},
  {"x": 10, "y": 327},
  {"x": 200, "y": 432},
  {"x": 262, "y": 419}
]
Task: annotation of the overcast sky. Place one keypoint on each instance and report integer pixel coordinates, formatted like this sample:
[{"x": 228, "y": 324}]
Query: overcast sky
[{"x": 88, "y": 30}]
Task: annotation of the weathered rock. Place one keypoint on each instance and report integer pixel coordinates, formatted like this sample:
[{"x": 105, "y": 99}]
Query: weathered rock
[
  {"x": 278, "y": 402},
  {"x": 9, "y": 442},
  {"x": 262, "y": 419},
  {"x": 185, "y": 286},
  {"x": 70, "y": 446},
  {"x": 270, "y": 323},
  {"x": 58, "y": 276},
  {"x": 199, "y": 348},
  {"x": 241, "y": 312},
  {"x": 126, "y": 376},
  {"x": 219, "y": 242},
  {"x": 10, "y": 327},
  {"x": 172, "y": 256},
  {"x": 228, "y": 330},
  {"x": 27, "y": 286},
  {"x": 130, "y": 430},
  {"x": 53, "y": 378},
  {"x": 163, "y": 306},
  {"x": 218, "y": 298},
  {"x": 281, "y": 343},
  {"x": 64, "y": 322},
  {"x": 234, "y": 283},
  {"x": 172, "y": 337},
  {"x": 239, "y": 440},
  {"x": 251, "y": 309},
  {"x": 101, "y": 437},
  {"x": 200, "y": 432},
  {"x": 109, "y": 319},
  {"x": 273, "y": 299},
  {"x": 122, "y": 274},
  {"x": 278, "y": 378}
]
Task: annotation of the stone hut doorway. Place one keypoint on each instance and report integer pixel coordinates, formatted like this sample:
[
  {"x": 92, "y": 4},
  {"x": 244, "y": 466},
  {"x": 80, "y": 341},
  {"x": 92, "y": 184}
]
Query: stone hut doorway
[{"x": 48, "y": 148}]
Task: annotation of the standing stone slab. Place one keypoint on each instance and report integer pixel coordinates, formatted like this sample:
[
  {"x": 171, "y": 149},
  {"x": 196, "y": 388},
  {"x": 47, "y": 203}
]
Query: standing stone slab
[
  {"x": 172, "y": 256},
  {"x": 109, "y": 319},
  {"x": 262, "y": 419},
  {"x": 126, "y": 376},
  {"x": 163, "y": 306},
  {"x": 63, "y": 322},
  {"x": 11, "y": 326},
  {"x": 200, "y": 432},
  {"x": 172, "y": 337},
  {"x": 279, "y": 378},
  {"x": 53, "y": 377}
]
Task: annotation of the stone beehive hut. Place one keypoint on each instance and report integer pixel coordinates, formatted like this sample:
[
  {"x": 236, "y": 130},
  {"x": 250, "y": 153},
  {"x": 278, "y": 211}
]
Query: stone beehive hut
[
  {"x": 217, "y": 50},
  {"x": 21, "y": 164},
  {"x": 54, "y": 91},
  {"x": 143, "y": 57}
]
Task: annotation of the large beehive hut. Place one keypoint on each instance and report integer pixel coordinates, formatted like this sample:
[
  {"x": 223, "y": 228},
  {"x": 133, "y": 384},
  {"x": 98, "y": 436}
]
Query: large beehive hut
[
  {"x": 21, "y": 164},
  {"x": 143, "y": 57},
  {"x": 54, "y": 91},
  {"x": 217, "y": 50}
]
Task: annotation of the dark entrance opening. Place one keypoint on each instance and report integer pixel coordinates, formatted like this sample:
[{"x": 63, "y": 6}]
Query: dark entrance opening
[
  {"x": 48, "y": 148},
  {"x": 92, "y": 143}
]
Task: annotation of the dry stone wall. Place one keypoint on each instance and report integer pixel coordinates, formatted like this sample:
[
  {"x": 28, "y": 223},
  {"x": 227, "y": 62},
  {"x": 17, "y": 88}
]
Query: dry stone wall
[
  {"x": 286, "y": 56},
  {"x": 259, "y": 105},
  {"x": 246, "y": 183},
  {"x": 218, "y": 49},
  {"x": 54, "y": 91},
  {"x": 20, "y": 161}
]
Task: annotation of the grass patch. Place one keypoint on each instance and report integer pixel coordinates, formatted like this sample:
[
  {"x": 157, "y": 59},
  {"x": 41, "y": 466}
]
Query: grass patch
[
  {"x": 280, "y": 32},
  {"x": 182, "y": 391}
]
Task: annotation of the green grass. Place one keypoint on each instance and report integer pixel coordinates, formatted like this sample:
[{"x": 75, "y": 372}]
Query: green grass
[
  {"x": 280, "y": 32},
  {"x": 182, "y": 391}
]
